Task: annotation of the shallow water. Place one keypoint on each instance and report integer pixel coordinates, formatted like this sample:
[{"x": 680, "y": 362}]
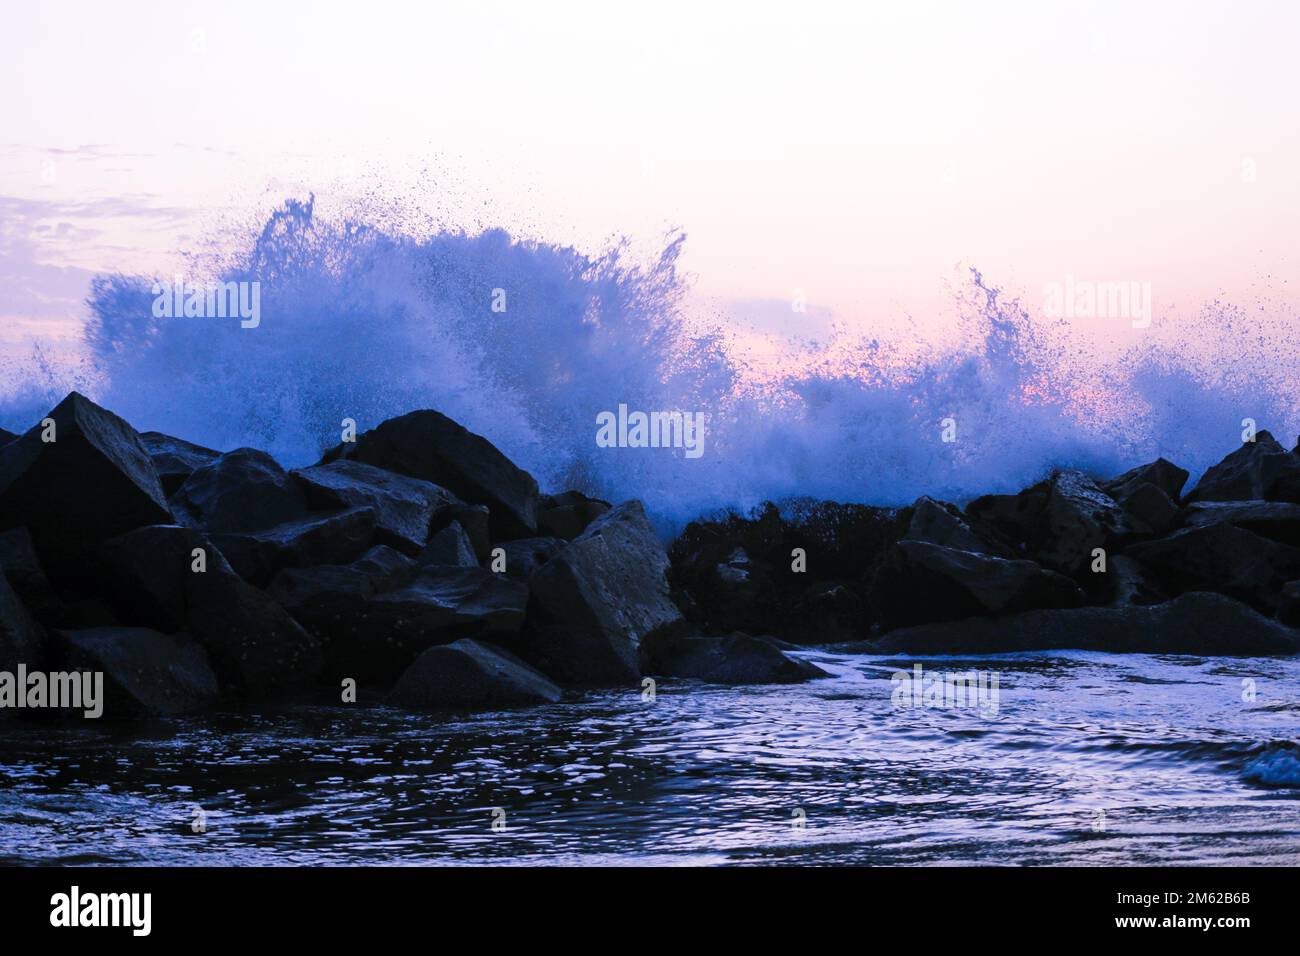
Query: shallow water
[{"x": 1090, "y": 759}]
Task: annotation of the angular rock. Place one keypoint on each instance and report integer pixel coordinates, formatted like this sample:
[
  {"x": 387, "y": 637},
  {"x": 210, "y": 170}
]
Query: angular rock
[
  {"x": 926, "y": 582},
  {"x": 1289, "y": 611},
  {"x": 7, "y": 436},
  {"x": 21, "y": 638},
  {"x": 476, "y": 520},
  {"x": 145, "y": 673},
  {"x": 451, "y": 546},
  {"x": 175, "y": 459},
  {"x": 1278, "y": 520},
  {"x": 1015, "y": 518},
  {"x": 372, "y": 621},
  {"x": 1255, "y": 471},
  {"x": 730, "y": 659},
  {"x": 338, "y": 538},
  {"x": 1077, "y": 518},
  {"x": 567, "y": 515},
  {"x": 525, "y": 555},
  {"x": 252, "y": 641},
  {"x": 94, "y": 481},
  {"x": 405, "y": 507},
  {"x": 1150, "y": 509},
  {"x": 1195, "y": 623},
  {"x": 243, "y": 490},
  {"x": 938, "y": 522},
  {"x": 601, "y": 596},
  {"x": 1221, "y": 557},
  {"x": 471, "y": 675},
  {"x": 1161, "y": 474},
  {"x": 429, "y": 445}
]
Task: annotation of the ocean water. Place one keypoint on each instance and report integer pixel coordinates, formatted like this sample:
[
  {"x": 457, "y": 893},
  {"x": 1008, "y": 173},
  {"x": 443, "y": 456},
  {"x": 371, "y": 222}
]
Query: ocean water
[{"x": 1091, "y": 759}]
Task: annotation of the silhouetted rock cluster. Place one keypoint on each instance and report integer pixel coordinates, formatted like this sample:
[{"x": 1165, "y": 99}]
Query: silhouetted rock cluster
[
  {"x": 417, "y": 564},
  {"x": 1130, "y": 564}
]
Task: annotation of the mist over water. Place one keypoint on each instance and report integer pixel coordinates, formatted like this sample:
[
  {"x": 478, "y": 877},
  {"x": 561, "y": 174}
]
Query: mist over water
[{"x": 365, "y": 320}]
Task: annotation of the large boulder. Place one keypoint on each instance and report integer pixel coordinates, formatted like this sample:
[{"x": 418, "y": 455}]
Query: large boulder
[
  {"x": 941, "y": 523},
  {"x": 252, "y": 641},
  {"x": 600, "y": 597},
  {"x": 317, "y": 539},
  {"x": 430, "y": 446},
  {"x": 1221, "y": 557},
  {"x": 927, "y": 582},
  {"x": 21, "y": 638},
  {"x": 375, "y": 616},
  {"x": 1278, "y": 520},
  {"x": 243, "y": 490},
  {"x": 175, "y": 459},
  {"x": 93, "y": 482},
  {"x": 471, "y": 675},
  {"x": 1077, "y": 518},
  {"x": 405, "y": 508},
  {"x": 7, "y": 436},
  {"x": 729, "y": 659},
  {"x": 476, "y": 521},
  {"x": 1196, "y": 623},
  {"x": 145, "y": 673},
  {"x": 1161, "y": 474},
  {"x": 1261, "y": 469}
]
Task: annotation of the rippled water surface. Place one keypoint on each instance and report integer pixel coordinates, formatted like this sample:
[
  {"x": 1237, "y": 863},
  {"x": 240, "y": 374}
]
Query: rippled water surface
[{"x": 1091, "y": 759}]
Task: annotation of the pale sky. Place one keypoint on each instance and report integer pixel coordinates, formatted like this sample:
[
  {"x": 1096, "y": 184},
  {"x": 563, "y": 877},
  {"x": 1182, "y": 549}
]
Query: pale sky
[{"x": 858, "y": 152}]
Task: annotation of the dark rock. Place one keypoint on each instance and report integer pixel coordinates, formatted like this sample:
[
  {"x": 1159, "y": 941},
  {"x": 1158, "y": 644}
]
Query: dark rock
[
  {"x": 93, "y": 482},
  {"x": 338, "y": 538},
  {"x": 1289, "y": 610},
  {"x": 429, "y": 445},
  {"x": 20, "y": 565},
  {"x": 567, "y": 515},
  {"x": 451, "y": 546},
  {"x": 243, "y": 490},
  {"x": 603, "y": 594},
  {"x": 1131, "y": 583},
  {"x": 1014, "y": 517},
  {"x": 145, "y": 673},
  {"x": 805, "y": 571},
  {"x": 1161, "y": 474},
  {"x": 7, "y": 436},
  {"x": 1077, "y": 518},
  {"x": 476, "y": 521},
  {"x": 938, "y": 522},
  {"x": 405, "y": 507},
  {"x": 1196, "y": 623},
  {"x": 252, "y": 641},
  {"x": 470, "y": 675},
  {"x": 525, "y": 555},
  {"x": 730, "y": 659},
  {"x": 21, "y": 637},
  {"x": 175, "y": 459},
  {"x": 1278, "y": 520},
  {"x": 373, "y": 618},
  {"x": 1150, "y": 509},
  {"x": 926, "y": 582},
  {"x": 1224, "y": 558},
  {"x": 1252, "y": 472}
]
